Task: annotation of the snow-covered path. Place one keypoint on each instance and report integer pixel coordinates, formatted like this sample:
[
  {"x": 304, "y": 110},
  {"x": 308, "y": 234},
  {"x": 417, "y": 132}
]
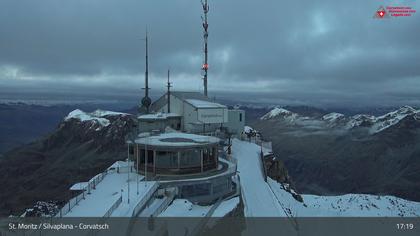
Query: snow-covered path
[{"x": 258, "y": 198}]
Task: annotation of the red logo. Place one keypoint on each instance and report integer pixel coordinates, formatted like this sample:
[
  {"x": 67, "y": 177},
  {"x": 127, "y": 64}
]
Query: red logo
[
  {"x": 393, "y": 11},
  {"x": 380, "y": 13}
]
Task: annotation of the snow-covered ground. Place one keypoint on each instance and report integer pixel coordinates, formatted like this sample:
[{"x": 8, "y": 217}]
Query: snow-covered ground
[
  {"x": 271, "y": 198},
  {"x": 353, "y": 205},
  {"x": 256, "y": 194},
  {"x": 363, "y": 205},
  {"x": 260, "y": 198},
  {"x": 226, "y": 207},
  {"x": 184, "y": 208},
  {"x": 108, "y": 191}
]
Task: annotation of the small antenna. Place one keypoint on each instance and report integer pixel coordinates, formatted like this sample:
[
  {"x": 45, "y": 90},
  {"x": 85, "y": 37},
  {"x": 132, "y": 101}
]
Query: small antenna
[
  {"x": 169, "y": 94},
  {"x": 205, "y": 35}
]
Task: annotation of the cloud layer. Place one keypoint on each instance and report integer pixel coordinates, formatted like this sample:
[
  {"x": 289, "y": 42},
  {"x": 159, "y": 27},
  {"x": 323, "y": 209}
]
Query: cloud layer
[{"x": 309, "y": 52}]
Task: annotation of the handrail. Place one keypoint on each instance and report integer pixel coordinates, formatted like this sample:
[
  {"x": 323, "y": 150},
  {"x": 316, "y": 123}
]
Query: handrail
[
  {"x": 113, "y": 207},
  {"x": 75, "y": 200},
  {"x": 144, "y": 200}
]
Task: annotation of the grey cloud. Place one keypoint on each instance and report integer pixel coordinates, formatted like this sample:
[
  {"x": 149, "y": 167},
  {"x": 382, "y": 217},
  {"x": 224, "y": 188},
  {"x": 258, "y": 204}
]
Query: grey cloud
[{"x": 305, "y": 51}]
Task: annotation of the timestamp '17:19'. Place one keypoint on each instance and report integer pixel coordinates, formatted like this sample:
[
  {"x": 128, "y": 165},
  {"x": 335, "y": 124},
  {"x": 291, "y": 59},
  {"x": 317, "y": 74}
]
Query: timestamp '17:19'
[{"x": 405, "y": 226}]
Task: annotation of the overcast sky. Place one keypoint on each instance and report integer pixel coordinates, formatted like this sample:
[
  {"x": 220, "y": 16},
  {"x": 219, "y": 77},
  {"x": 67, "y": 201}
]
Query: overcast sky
[{"x": 288, "y": 52}]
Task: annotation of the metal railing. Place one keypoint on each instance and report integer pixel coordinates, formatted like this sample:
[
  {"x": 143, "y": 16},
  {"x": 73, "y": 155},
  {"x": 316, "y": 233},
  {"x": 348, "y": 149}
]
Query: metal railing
[
  {"x": 254, "y": 139},
  {"x": 113, "y": 207},
  {"x": 140, "y": 205},
  {"x": 86, "y": 190},
  {"x": 170, "y": 194}
]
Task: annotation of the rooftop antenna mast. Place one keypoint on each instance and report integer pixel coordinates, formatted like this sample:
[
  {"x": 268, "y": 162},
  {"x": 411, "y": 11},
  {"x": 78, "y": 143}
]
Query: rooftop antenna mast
[
  {"x": 169, "y": 94},
  {"x": 206, "y": 35},
  {"x": 146, "y": 101}
]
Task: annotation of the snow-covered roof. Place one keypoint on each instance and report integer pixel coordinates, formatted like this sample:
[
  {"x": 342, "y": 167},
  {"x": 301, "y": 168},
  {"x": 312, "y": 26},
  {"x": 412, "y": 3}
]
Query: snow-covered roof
[
  {"x": 204, "y": 104},
  {"x": 177, "y": 140},
  {"x": 158, "y": 116}
]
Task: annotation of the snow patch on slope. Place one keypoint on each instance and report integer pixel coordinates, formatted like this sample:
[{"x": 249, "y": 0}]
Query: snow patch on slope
[
  {"x": 363, "y": 205},
  {"x": 380, "y": 123},
  {"x": 360, "y": 120},
  {"x": 392, "y": 118},
  {"x": 333, "y": 117},
  {"x": 348, "y": 205},
  {"x": 96, "y": 116}
]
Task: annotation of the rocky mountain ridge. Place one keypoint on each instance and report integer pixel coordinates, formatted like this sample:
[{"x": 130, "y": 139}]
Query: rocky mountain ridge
[
  {"x": 82, "y": 145},
  {"x": 375, "y": 124}
]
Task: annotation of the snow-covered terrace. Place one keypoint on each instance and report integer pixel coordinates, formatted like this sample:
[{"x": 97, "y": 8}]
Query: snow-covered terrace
[{"x": 117, "y": 185}]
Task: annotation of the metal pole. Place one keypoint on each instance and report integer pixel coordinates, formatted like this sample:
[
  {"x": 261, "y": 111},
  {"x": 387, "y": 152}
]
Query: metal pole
[
  {"x": 169, "y": 94},
  {"x": 206, "y": 35},
  {"x": 137, "y": 154},
  {"x": 128, "y": 174},
  {"x": 145, "y": 162},
  {"x": 201, "y": 157}
]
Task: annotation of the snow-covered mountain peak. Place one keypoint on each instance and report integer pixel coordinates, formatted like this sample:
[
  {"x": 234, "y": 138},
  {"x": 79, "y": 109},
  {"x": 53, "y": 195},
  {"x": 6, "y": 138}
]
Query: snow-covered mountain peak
[
  {"x": 97, "y": 116},
  {"x": 402, "y": 111},
  {"x": 278, "y": 112},
  {"x": 360, "y": 120},
  {"x": 385, "y": 121}
]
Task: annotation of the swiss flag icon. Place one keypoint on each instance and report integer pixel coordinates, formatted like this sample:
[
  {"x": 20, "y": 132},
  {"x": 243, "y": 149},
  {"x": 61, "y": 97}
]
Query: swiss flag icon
[{"x": 380, "y": 13}]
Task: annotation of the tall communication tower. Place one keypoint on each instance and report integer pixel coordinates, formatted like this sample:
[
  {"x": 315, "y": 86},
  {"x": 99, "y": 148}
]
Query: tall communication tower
[
  {"x": 169, "y": 93},
  {"x": 146, "y": 101},
  {"x": 206, "y": 35}
]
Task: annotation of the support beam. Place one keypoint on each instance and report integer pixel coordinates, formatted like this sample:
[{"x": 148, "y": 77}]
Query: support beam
[
  {"x": 145, "y": 163},
  {"x": 215, "y": 156},
  {"x": 201, "y": 157},
  {"x": 179, "y": 160},
  {"x": 154, "y": 161}
]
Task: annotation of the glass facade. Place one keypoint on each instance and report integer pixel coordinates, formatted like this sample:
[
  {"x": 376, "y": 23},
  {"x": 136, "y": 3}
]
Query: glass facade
[{"x": 182, "y": 161}]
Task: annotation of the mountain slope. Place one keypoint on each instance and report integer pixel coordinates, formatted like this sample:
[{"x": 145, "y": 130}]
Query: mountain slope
[
  {"x": 337, "y": 154},
  {"x": 79, "y": 148}
]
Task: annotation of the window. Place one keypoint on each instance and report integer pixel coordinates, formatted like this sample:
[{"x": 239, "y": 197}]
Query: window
[{"x": 240, "y": 117}]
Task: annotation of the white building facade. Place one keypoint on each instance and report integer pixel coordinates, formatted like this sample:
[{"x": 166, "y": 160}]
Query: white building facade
[{"x": 198, "y": 114}]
